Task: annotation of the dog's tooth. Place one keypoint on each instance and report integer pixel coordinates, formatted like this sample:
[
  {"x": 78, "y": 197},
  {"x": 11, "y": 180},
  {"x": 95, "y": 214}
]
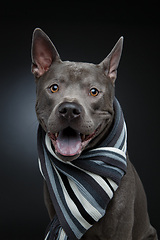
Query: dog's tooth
[
  {"x": 83, "y": 137},
  {"x": 56, "y": 135}
]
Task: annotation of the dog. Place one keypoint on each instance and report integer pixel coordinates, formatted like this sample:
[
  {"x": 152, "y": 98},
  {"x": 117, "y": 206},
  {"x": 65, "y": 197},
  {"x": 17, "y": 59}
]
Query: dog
[{"x": 74, "y": 107}]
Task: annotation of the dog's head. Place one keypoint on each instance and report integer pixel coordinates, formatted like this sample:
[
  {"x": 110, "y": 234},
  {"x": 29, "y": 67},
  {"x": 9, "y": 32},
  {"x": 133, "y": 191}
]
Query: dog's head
[{"x": 74, "y": 100}]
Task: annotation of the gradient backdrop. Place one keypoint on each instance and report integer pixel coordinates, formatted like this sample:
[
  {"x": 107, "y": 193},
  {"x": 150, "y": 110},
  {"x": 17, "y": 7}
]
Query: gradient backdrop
[{"x": 87, "y": 34}]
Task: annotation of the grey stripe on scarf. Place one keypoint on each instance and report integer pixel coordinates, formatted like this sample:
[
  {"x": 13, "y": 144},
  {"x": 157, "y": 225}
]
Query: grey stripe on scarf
[{"x": 81, "y": 190}]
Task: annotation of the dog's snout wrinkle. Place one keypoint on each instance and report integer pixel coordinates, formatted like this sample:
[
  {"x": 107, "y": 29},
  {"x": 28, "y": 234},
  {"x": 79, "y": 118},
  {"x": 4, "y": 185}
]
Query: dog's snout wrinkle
[{"x": 70, "y": 110}]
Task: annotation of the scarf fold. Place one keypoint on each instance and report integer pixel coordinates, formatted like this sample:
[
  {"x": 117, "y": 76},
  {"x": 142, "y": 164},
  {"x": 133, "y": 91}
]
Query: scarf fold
[{"x": 81, "y": 190}]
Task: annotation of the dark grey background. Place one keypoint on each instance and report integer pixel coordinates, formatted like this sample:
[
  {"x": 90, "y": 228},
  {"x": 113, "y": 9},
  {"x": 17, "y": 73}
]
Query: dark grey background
[{"x": 80, "y": 33}]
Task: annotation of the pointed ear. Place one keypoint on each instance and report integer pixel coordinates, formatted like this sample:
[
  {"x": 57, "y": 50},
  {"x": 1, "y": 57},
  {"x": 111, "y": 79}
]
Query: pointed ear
[
  {"x": 110, "y": 63},
  {"x": 43, "y": 53}
]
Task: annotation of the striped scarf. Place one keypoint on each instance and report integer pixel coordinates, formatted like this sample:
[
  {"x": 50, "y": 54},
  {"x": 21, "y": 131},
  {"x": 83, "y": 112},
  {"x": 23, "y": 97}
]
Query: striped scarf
[{"x": 81, "y": 190}]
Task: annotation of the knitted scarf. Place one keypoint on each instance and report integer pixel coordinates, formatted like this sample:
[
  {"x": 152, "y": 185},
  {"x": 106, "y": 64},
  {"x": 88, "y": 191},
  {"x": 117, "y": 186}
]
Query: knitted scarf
[{"x": 81, "y": 190}]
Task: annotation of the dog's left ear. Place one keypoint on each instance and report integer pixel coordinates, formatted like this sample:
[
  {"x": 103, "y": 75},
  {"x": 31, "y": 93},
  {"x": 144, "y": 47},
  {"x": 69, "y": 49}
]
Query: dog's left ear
[
  {"x": 43, "y": 53},
  {"x": 110, "y": 63}
]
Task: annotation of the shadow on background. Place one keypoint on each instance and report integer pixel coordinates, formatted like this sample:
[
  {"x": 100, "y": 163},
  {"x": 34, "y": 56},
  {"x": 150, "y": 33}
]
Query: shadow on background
[{"x": 78, "y": 36}]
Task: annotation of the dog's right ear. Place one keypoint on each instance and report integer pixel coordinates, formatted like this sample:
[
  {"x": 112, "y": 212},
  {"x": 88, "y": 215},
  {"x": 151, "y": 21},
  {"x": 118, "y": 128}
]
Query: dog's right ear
[
  {"x": 111, "y": 62},
  {"x": 43, "y": 53}
]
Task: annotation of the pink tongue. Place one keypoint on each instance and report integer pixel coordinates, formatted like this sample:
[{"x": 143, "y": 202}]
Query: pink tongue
[{"x": 68, "y": 142}]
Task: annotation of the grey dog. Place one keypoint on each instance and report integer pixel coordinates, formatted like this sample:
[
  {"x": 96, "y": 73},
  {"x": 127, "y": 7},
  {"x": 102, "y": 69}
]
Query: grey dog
[{"x": 80, "y": 96}]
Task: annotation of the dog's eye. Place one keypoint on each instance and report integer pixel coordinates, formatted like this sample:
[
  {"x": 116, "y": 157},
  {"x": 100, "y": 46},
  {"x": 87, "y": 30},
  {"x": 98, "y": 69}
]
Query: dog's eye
[
  {"x": 94, "y": 92},
  {"x": 54, "y": 88}
]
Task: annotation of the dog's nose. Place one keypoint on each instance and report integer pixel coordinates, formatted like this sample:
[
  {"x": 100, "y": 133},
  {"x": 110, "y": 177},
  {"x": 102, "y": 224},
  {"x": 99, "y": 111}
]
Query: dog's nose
[{"x": 70, "y": 110}]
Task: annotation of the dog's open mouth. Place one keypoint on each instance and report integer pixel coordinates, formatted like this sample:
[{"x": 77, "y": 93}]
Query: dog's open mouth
[{"x": 69, "y": 142}]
